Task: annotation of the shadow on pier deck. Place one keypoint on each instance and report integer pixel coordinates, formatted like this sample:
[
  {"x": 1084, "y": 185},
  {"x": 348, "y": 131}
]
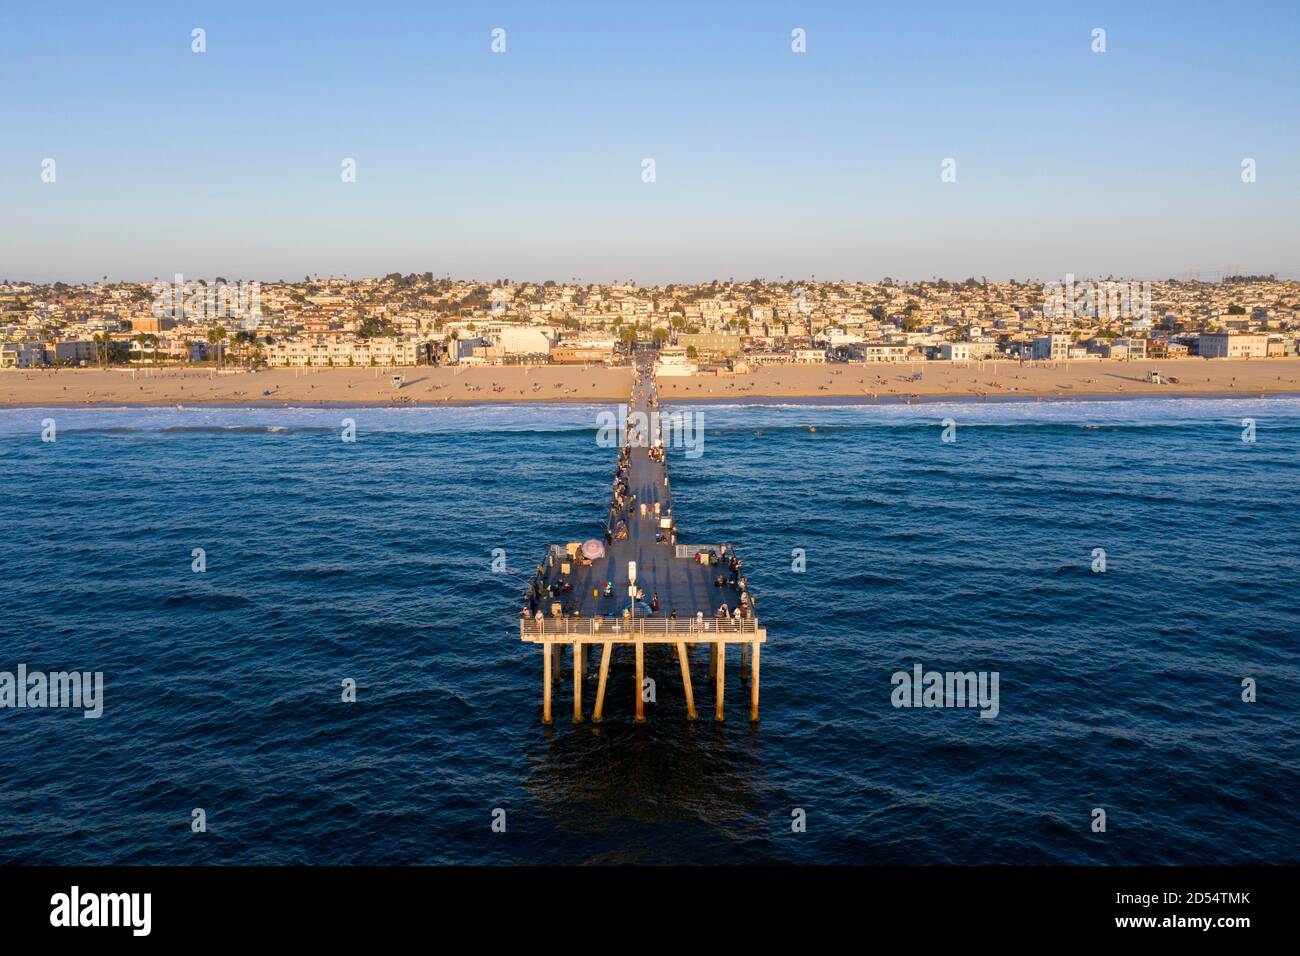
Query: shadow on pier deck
[{"x": 683, "y": 600}]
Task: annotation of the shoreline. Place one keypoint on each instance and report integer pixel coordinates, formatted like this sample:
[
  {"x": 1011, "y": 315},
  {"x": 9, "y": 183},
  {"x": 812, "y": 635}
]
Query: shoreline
[{"x": 756, "y": 401}]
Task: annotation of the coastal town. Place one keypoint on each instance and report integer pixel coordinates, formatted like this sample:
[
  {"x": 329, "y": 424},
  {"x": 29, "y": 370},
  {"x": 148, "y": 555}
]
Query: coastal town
[{"x": 738, "y": 331}]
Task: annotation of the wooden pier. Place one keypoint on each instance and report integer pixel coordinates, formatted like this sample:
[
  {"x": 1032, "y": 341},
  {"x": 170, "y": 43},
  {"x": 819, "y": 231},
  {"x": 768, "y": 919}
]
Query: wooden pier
[{"x": 579, "y": 604}]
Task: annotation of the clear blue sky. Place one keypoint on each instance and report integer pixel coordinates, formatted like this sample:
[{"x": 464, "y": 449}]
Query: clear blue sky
[{"x": 527, "y": 164}]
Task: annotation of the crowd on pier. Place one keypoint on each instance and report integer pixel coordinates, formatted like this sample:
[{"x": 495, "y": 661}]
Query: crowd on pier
[{"x": 551, "y": 591}]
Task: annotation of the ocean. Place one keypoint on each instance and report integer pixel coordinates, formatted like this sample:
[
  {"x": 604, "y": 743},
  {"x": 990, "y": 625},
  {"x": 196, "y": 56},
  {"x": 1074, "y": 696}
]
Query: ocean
[{"x": 327, "y": 561}]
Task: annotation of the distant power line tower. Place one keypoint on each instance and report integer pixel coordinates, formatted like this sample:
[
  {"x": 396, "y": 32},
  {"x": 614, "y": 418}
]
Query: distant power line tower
[{"x": 1201, "y": 275}]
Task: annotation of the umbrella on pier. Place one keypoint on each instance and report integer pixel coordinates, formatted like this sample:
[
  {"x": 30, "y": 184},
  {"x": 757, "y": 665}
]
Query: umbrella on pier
[{"x": 593, "y": 548}]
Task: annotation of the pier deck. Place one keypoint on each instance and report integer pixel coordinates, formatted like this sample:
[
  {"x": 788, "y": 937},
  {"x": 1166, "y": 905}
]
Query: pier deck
[{"x": 570, "y": 604}]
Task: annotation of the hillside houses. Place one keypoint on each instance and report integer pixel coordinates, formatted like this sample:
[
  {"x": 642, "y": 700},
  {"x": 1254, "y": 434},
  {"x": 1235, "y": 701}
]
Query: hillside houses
[{"x": 409, "y": 319}]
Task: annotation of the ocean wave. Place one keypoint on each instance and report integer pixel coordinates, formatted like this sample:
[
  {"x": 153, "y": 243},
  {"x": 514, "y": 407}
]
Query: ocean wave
[{"x": 771, "y": 419}]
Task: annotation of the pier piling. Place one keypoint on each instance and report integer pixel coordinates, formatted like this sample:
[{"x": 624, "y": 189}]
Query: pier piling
[
  {"x": 578, "y": 661},
  {"x": 606, "y": 649},
  {"x": 721, "y": 685},
  {"x": 686, "y": 680},
  {"x": 546, "y": 684},
  {"x": 640, "y": 682},
  {"x": 753, "y": 682}
]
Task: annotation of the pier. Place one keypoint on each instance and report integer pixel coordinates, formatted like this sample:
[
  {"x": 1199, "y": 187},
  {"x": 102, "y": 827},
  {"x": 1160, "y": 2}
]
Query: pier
[{"x": 608, "y": 601}]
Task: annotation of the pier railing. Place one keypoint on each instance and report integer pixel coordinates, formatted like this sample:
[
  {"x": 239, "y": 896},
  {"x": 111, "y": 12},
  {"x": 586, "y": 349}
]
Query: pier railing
[
  {"x": 612, "y": 628},
  {"x": 690, "y": 550}
]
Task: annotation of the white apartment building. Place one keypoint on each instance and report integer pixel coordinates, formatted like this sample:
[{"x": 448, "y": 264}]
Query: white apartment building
[
  {"x": 966, "y": 351},
  {"x": 835, "y": 338},
  {"x": 1051, "y": 347},
  {"x": 881, "y": 352},
  {"x": 1137, "y": 348},
  {"x": 342, "y": 352},
  {"x": 525, "y": 339},
  {"x": 22, "y": 355},
  {"x": 465, "y": 348},
  {"x": 672, "y": 361},
  {"x": 1233, "y": 345}
]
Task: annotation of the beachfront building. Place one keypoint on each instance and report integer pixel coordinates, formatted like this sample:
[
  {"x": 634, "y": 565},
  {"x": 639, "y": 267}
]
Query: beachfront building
[
  {"x": 71, "y": 352},
  {"x": 1136, "y": 348},
  {"x": 673, "y": 361},
  {"x": 583, "y": 353},
  {"x": 769, "y": 357},
  {"x": 1050, "y": 348},
  {"x": 525, "y": 339},
  {"x": 22, "y": 355},
  {"x": 1164, "y": 348},
  {"x": 879, "y": 352},
  {"x": 710, "y": 345},
  {"x": 1232, "y": 345},
  {"x": 973, "y": 350},
  {"x": 340, "y": 352},
  {"x": 462, "y": 350}
]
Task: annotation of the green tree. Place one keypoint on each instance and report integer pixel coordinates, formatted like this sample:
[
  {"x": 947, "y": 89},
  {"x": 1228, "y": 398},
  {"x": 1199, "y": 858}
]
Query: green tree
[
  {"x": 217, "y": 337},
  {"x": 103, "y": 343}
]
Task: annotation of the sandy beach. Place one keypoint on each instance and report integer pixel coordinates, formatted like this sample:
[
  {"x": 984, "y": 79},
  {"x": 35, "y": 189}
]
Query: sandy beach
[
  {"x": 423, "y": 385},
  {"x": 556, "y": 383},
  {"x": 1001, "y": 379}
]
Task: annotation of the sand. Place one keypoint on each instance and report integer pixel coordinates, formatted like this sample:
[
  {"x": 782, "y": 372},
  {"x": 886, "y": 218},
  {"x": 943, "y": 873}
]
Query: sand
[
  {"x": 425, "y": 385},
  {"x": 439, "y": 386},
  {"x": 1244, "y": 377}
]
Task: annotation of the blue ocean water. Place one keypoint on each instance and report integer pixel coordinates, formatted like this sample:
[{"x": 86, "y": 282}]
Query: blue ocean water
[{"x": 371, "y": 560}]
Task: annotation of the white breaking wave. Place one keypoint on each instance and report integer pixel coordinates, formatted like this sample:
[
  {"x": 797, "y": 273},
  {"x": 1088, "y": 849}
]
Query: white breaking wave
[{"x": 526, "y": 417}]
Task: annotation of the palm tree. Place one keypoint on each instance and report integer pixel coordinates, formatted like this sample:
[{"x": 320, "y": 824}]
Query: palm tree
[
  {"x": 101, "y": 341},
  {"x": 217, "y": 337}
]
